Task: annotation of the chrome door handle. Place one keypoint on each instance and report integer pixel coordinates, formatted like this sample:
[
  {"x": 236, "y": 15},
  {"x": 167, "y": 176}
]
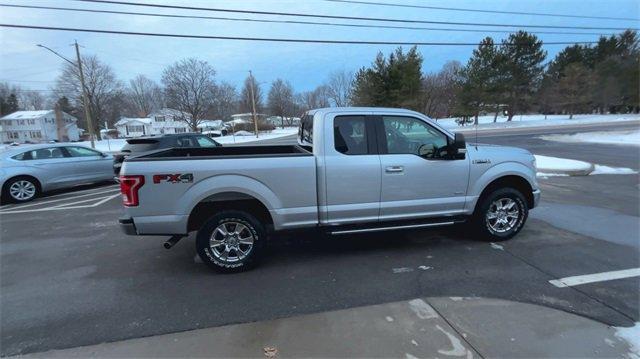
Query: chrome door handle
[{"x": 394, "y": 169}]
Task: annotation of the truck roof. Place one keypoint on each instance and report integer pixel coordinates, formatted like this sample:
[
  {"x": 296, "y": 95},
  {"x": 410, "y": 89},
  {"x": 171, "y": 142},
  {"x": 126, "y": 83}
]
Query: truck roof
[{"x": 362, "y": 110}]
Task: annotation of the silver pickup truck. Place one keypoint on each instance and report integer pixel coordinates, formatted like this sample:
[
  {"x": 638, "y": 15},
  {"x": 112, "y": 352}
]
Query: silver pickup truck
[{"x": 354, "y": 170}]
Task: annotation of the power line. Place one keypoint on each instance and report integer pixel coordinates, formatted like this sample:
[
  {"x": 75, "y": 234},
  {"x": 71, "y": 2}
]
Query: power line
[
  {"x": 270, "y": 39},
  {"x": 255, "y": 12},
  {"x": 287, "y": 21},
  {"x": 481, "y": 10}
]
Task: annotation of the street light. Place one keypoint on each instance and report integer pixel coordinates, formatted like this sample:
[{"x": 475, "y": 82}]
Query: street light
[{"x": 85, "y": 97}]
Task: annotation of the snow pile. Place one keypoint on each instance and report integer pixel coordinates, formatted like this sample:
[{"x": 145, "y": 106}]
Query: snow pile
[
  {"x": 609, "y": 137},
  {"x": 241, "y": 137},
  {"x": 486, "y": 122},
  {"x": 550, "y": 166},
  {"x": 555, "y": 167},
  {"x": 632, "y": 337}
]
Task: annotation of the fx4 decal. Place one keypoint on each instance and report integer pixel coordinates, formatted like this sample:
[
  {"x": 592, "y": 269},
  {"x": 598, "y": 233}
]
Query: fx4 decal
[{"x": 173, "y": 178}]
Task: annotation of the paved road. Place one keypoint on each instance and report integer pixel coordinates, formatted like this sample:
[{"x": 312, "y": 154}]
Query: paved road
[{"x": 69, "y": 278}]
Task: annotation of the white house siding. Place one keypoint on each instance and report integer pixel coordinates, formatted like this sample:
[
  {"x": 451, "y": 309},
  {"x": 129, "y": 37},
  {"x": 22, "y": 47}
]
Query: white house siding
[
  {"x": 165, "y": 121},
  {"x": 37, "y": 126}
]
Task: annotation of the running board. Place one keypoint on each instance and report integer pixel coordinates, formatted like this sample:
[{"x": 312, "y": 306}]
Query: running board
[{"x": 392, "y": 228}]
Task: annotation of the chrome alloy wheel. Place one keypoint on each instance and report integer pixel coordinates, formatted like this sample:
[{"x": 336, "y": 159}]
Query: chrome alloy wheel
[
  {"x": 503, "y": 215},
  {"x": 22, "y": 190},
  {"x": 231, "y": 242}
]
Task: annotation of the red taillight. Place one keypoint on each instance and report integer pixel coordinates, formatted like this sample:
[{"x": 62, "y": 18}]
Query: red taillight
[{"x": 129, "y": 186}]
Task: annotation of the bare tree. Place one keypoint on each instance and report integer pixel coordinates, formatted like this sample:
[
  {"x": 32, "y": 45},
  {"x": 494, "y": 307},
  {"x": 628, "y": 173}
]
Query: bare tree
[
  {"x": 101, "y": 85},
  {"x": 145, "y": 95},
  {"x": 32, "y": 100},
  {"x": 225, "y": 101},
  {"x": 190, "y": 87},
  {"x": 280, "y": 101},
  {"x": 245, "y": 95},
  {"x": 317, "y": 98},
  {"x": 440, "y": 90},
  {"x": 339, "y": 88}
]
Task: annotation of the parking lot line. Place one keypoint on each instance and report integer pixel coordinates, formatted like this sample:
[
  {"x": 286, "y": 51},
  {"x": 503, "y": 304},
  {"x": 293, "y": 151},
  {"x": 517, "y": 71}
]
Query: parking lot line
[
  {"x": 596, "y": 277},
  {"x": 19, "y": 207},
  {"x": 66, "y": 206}
]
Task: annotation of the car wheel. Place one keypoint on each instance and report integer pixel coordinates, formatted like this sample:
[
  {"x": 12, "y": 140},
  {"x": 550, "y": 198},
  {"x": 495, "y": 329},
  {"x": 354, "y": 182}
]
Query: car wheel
[
  {"x": 231, "y": 241},
  {"x": 21, "y": 189},
  {"x": 501, "y": 214}
]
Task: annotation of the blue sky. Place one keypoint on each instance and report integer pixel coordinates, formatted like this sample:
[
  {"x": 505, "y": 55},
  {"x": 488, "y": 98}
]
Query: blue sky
[{"x": 304, "y": 65}]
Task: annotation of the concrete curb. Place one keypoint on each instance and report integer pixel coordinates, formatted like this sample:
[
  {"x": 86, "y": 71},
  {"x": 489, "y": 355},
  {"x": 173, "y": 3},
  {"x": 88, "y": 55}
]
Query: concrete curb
[{"x": 419, "y": 328}]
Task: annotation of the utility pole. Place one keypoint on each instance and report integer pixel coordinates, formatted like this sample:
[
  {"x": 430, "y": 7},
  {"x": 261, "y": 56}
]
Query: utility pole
[
  {"x": 85, "y": 98},
  {"x": 253, "y": 105}
]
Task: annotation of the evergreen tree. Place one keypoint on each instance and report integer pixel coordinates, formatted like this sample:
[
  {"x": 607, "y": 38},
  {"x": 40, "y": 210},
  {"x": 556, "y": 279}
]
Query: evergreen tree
[
  {"x": 482, "y": 85},
  {"x": 574, "y": 88},
  {"x": 11, "y": 105},
  {"x": 522, "y": 69},
  {"x": 392, "y": 82}
]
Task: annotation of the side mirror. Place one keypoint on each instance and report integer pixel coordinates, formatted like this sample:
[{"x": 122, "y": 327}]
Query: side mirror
[{"x": 459, "y": 146}]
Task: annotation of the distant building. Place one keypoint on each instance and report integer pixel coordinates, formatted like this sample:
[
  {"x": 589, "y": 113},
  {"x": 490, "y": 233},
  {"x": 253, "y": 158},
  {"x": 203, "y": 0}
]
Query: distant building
[
  {"x": 39, "y": 126},
  {"x": 210, "y": 125},
  {"x": 160, "y": 122},
  {"x": 279, "y": 121}
]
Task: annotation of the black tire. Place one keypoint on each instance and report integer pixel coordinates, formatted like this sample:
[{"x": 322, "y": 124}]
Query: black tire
[
  {"x": 485, "y": 228},
  {"x": 213, "y": 255},
  {"x": 6, "y": 189}
]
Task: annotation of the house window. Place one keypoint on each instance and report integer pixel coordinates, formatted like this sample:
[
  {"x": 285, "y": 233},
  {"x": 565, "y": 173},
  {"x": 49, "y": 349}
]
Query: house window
[
  {"x": 31, "y": 121},
  {"x": 160, "y": 118},
  {"x": 135, "y": 128},
  {"x": 35, "y": 134},
  {"x": 20, "y": 122},
  {"x": 181, "y": 130},
  {"x": 8, "y": 122}
]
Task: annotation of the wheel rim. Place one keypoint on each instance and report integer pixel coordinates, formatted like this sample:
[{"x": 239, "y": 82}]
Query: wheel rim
[
  {"x": 503, "y": 215},
  {"x": 22, "y": 190},
  {"x": 231, "y": 242}
]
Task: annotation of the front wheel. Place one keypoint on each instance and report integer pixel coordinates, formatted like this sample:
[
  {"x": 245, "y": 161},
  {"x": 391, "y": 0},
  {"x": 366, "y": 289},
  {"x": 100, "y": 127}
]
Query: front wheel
[
  {"x": 21, "y": 189},
  {"x": 501, "y": 214},
  {"x": 231, "y": 241}
]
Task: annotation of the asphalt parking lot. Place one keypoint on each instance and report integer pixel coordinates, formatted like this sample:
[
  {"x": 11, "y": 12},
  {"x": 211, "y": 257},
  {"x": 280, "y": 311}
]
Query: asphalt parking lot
[{"x": 68, "y": 277}]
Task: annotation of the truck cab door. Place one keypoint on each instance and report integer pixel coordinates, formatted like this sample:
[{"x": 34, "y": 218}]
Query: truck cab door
[
  {"x": 420, "y": 177},
  {"x": 352, "y": 170}
]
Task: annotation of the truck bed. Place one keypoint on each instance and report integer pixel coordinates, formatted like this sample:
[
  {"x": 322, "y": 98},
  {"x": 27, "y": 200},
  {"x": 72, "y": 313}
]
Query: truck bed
[{"x": 187, "y": 153}]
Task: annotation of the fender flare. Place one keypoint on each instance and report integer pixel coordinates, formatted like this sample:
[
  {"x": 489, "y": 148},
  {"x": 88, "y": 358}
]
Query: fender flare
[
  {"x": 495, "y": 172},
  {"x": 227, "y": 183}
]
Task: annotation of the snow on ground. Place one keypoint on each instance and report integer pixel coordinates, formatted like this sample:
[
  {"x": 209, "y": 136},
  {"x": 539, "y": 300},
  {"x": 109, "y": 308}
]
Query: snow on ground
[
  {"x": 632, "y": 337},
  {"x": 278, "y": 132},
  {"x": 486, "y": 122},
  {"x": 113, "y": 145},
  {"x": 605, "y": 137},
  {"x": 606, "y": 170},
  {"x": 554, "y": 167}
]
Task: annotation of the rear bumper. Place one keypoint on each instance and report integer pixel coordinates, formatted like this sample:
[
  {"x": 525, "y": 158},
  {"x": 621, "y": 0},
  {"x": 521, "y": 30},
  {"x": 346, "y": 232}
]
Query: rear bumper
[
  {"x": 536, "y": 198},
  {"x": 154, "y": 225},
  {"x": 127, "y": 226}
]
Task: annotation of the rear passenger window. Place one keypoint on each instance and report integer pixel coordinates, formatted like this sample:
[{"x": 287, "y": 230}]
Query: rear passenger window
[{"x": 350, "y": 135}]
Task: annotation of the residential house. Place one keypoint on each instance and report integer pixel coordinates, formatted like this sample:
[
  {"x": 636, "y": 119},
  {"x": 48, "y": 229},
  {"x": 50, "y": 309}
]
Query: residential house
[
  {"x": 39, "y": 126},
  {"x": 164, "y": 121}
]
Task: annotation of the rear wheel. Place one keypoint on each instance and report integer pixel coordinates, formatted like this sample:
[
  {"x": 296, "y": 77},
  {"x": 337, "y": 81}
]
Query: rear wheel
[
  {"x": 21, "y": 189},
  {"x": 501, "y": 214},
  {"x": 231, "y": 241}
]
